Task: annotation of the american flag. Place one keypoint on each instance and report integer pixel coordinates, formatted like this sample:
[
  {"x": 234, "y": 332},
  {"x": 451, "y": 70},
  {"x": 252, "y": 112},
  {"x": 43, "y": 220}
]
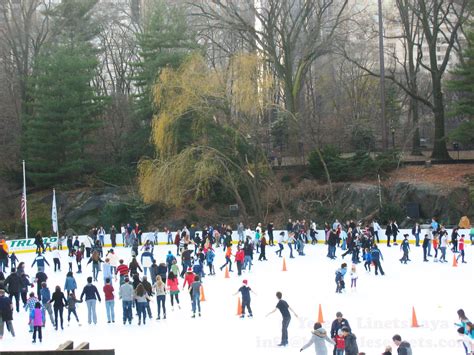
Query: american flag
[{"x": 23, "y": 205}]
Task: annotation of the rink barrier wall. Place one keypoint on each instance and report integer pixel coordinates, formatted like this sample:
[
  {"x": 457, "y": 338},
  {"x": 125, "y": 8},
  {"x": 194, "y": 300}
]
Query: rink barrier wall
[{"x": 27, "y": 245}]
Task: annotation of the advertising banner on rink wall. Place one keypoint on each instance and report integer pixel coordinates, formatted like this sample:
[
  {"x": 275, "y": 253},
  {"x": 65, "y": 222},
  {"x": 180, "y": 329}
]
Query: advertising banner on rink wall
[{"x": 27, "y": 245}]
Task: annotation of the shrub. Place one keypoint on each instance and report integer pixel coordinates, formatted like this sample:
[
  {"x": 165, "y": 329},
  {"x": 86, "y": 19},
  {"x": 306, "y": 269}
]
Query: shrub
[{"x": 358, "y": 166}]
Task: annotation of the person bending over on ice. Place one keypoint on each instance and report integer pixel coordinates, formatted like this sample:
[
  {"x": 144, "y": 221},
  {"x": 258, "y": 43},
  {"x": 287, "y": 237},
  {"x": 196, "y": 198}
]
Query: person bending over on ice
[
  {"x": 340, "y": 285},
  {"x": 318, "y": 338}
]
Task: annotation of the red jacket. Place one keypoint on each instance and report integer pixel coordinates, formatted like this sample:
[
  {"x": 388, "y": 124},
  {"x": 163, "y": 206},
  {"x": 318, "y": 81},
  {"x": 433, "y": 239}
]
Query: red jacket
[
  {"x": 240, "y": 255},
  {"x": 109, "y": 292},
  {"x": 461, "y": 244},
  {"x": 340, "y": 343},
  {"x": 188, "y": 278}
]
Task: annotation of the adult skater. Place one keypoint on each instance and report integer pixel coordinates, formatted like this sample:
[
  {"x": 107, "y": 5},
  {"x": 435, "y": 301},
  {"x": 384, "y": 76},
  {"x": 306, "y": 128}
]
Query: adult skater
[
  {"x": 388, "y": 232},
  {"x": 350, "y": 341},
  {"x": 376, "y": 256},
  {"x": 405, "y": 246},
  {"x": 195, "y": 291},
  {"x": 319, "y": 338},
  {"x": 426, "y": 243},
  {"x": 245, "y": 292},
  {"x": 92, "y": 295},
  {"x": 13, "y": 284},
  {"x": 281, "y": 237},
  {"x": 109, "y": 300},
  {"x": 284, "y": 309},
  {"x": 416, "y": 231},
  {"x": 59, "y": 302},
  {"x": 404, "y": 347},
  {"x": 337, "y": 325},
  {"x": 340, "y": 285},
  {"x": 6, "y": 313},
  {"x": 126, "y": 295},
  {"x": 40, "y": 261},
  {"x": 461, "y": 249}
]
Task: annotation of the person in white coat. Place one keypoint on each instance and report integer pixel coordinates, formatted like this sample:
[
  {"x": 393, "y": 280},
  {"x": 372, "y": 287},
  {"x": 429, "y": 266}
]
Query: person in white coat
[
  {"x": 319, "y": 338},
  {"x": 147, "y": 260}
]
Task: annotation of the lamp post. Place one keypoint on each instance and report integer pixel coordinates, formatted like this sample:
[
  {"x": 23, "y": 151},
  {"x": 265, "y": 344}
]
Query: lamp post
[{"x": 393, "y": 138}]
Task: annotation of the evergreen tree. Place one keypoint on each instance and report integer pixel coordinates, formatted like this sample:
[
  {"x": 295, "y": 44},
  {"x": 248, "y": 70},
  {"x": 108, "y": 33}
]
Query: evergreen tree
[
  {"x": 65, "y": 107},
  {"x": 166, "y": 41}
]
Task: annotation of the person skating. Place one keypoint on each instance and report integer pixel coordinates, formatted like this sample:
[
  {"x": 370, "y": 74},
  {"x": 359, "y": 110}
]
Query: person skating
[
  {"x": 13, "y": 284},
  {"x": 337, "y": 326},
  {"x": 122, "y": 270},
  {"x": 40, "y": 261},
  {"x": 72, "y": 302},
  {"x": 141, "y": 298},
  {"x": 96, "y": 261},
  {"x": 340, "y": 285},
  {"x": 159, "y": 289},
  {"x": 388, "y": 232},
  {"x": 45, "y": 302},
  {"x": 126, "y": 295},
  {"x": 173, "y": 287},
  {"x": 56, "y": 259},
  {"x": 319, "y": 338},
  {"x": 284, "y": 309},
  {"x": 188, "y": 279},
  {"x": 340, "y": 343},
  {"x": 239, "y": 260},
  {"x": 59, "y": 302},
  {"x": 280, "y": 239},
  {"x": 70, "y": 285},
  {"x": 350, "y": 341},
  {"x": 263, "y": 244},
  {"x": 461, "y": 249},
  {"x": 195, "y": 290},
  {"x": 426, "y": 243},
  {"x": 37, "y": 321},
  {"x": 109, "y": 300},
  {"x": 6, "y": 314},
  {"x": 228, "y": 261},
  {"x": 443, "y": 245},
  {"x": 30, "y": 305},
  {"x": 404, "y": 347},
  {"x": 210, "y": 256},
  {"x": 245, "y": 292},
  {"x": 395, "y": 231},
  {"x": 92, "y": 295},
  {"x": 376, "y": 256},
  {"x": 405, "y": 246},
  {"x": 367, "y": 259},
  {"x": 354, "y": 277}
]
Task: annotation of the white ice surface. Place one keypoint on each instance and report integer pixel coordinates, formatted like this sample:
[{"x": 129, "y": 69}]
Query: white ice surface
[{"x": 379, "y": 308}]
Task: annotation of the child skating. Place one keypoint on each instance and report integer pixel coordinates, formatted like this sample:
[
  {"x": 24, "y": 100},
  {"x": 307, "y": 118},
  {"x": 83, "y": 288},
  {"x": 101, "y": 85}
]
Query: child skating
[
  {"x": 245, "y": 292},
  {"x": 340, "y": 285},
  {"x": 354, "y": 277},
  {"x": 37, "y": 321}
]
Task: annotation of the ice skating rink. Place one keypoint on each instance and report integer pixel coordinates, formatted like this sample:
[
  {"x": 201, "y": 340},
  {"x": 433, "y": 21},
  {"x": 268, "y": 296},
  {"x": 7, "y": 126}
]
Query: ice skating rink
[{"x": 380, "y": 307}]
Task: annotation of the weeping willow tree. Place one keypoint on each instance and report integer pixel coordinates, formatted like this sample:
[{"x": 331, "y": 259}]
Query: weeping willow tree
[{"x": 206, "y": 133}]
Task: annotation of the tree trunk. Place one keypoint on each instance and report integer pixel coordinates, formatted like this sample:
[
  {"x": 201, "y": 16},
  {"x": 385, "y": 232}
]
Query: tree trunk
[
  {"x": 415, "y": 149},
  {"x": 440, "y": 152}
]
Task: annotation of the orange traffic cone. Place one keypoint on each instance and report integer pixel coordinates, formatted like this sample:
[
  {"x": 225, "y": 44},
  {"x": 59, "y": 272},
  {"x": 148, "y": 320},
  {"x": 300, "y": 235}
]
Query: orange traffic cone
[
  {"x": 239, "y": 307},
  {"x": 227, "y": 272},
  {"x": 284, "y": 265},
  {"x": 203, "y": 296},
  {"x": 320, "y": 315},
  {"x": 455, "y": 261},
  {"x": 414, "y": 321}
]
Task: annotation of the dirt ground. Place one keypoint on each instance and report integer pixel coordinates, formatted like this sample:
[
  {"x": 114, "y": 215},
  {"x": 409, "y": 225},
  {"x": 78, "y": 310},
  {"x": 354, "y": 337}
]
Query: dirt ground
[{"x": 461, "y": 174}]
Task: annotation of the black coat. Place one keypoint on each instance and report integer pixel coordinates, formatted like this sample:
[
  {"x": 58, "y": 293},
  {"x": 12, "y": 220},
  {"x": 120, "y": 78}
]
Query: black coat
[
  {"x": 336, "y": 325},
  {"x": 14, "y": 283},
  {"x": 351, "y": 347},
  {"x": 6, "y": 311}
]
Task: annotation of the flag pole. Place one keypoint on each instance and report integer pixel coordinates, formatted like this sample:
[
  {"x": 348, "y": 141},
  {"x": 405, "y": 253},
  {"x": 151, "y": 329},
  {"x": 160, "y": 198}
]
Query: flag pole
[
  {"x": 54, "y": 215},
  {"x": 24, "y": 197}
]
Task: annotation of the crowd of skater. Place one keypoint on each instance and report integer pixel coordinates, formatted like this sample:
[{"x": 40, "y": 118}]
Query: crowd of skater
[{"x": 142, "y": 279}]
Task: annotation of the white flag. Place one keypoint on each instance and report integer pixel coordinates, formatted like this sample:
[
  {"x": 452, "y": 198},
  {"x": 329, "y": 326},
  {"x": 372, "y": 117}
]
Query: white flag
[{"x": 54, "y": 214}]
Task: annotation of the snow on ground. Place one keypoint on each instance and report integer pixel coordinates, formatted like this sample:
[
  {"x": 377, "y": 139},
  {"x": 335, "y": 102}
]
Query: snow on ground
[{"x": 379, "y": 308}]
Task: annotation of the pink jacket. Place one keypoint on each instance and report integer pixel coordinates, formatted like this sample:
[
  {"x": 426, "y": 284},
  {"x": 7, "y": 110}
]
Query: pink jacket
[{"x": 36, "y": 318}]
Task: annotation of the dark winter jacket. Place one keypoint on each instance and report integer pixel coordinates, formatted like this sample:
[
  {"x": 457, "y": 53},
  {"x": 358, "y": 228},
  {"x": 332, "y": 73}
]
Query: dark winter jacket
[
  {"x": 13, "y": 283},
  {"x": 404, "y": 348},
  {"x": 6, "y": 311},
  {"x": 336, "y": 325},
  {"x": 351, "y": 347},
  {"x": 91, "y": 293}
]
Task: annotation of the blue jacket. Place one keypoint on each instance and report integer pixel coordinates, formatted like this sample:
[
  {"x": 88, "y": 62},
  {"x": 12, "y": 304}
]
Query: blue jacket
[
  {"x": 91, "y": 293},
  {"x": 376, "y": 254},
  {"x": 210, "y": 256},
  {"x": 45, "y": 295},
  {"x": 169, "y": 258},
  {"x": 368, "y": 257},
  {"x": 40, "y": 260},
  {"x": 70, "y": 284}
]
